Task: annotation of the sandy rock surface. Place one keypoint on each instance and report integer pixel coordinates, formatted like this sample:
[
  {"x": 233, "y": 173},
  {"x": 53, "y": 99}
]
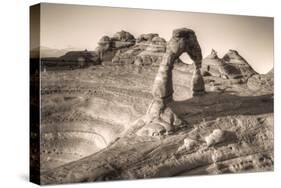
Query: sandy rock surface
[{"x": 87, "y": 136}]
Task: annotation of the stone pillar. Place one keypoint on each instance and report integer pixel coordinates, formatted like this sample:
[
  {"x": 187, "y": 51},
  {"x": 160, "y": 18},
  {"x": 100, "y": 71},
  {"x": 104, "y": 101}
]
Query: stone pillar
[{"x": 163, "y": 84}]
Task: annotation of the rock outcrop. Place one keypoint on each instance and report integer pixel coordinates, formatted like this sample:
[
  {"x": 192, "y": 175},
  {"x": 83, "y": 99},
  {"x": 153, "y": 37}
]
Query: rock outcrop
[
  {"x": 80, "y": 56},
  {"x": 231, "y": 66},
  {"x": 148, "y": 50},
  {"x": 188, "y": 144},
  {"x": 237, "y": 65},
  {"x": 262, "y": 82},
  {"x": 198, "y": 83},
  {"x": 212, "y": 65},
  {"x": 108, "y": 46},
  {"x": 219, "y": 136},
  {"x": 146, "y": 37},
  {"x": 123, "y": 36}
]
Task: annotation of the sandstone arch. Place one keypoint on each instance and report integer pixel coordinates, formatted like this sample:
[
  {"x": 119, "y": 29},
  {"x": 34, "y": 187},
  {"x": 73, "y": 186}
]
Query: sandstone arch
[{"x": 159, "y": 117}]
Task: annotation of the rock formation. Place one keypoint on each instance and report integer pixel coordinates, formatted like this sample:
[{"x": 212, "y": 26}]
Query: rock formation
[
  {"x": 123, "y": 36},
  {"x": 159, "y": 116},
  {"x": 107, "y": 47},
  {"x": 71, "y": 59},
  {"x": 262, "y": 82},
  {"x": 198, "y": 83},
  {"x": 237, "y": 65},
  {"x": 148, "y": 50},
  {"x": 188, "y": 144},
  {"x": 86, "y": 56},
  {"x": 146, "y": 37},
  {"x": 217, "y": 136},
  {"x": 231, "y": 66},
  {"x": 212, "y": 65}
]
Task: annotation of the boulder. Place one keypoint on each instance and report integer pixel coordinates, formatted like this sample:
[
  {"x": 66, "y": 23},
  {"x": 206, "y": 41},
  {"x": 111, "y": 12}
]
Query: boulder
[
  {"x": 189, "y": 144},
  {"x": 220, "y": 136},
  {"x": 217, "y": 136}
]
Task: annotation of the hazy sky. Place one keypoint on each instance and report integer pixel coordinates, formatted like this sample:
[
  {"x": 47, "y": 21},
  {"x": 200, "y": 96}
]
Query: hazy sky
[{"x": 73, "y": 26}]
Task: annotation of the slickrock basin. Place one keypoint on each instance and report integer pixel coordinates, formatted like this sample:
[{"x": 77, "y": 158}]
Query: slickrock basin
[
  {"x": 85, "y": 110},
  {"x": 87, "y": 114}
]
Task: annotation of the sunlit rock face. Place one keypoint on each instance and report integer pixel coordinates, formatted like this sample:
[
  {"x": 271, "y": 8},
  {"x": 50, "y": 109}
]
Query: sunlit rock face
[
  {"x": 85, "y": 110},
  {"x": 148, "y": 50},
  {"x": 108, "y": 46}
]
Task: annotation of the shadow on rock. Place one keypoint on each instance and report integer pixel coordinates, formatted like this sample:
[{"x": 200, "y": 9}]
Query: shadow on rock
[{"x": 215, "y": 104}]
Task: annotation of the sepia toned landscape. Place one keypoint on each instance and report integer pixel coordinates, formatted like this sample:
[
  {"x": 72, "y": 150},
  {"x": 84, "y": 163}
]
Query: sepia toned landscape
[{"x": 132, "y": 108}]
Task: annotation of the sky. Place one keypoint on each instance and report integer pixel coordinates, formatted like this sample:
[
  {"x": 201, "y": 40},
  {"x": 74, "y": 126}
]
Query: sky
[{"x": 80, "y": 27}]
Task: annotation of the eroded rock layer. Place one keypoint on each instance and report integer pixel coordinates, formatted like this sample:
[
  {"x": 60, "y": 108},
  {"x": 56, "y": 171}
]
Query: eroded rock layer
[
  {"x": 148, "y": 50},
  {"x": 85, "y": 110},
  {"x": 231, "y": 66},
  {"x": 248, "y": 119}
]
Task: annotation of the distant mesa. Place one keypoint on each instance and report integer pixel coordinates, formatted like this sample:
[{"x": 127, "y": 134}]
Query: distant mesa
[
  {"x": 72, "y": 59},
  {"x": 86, "y": 56},
  {"x": 231, "y": 66},
  {"x": 49, "y": 52}
]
